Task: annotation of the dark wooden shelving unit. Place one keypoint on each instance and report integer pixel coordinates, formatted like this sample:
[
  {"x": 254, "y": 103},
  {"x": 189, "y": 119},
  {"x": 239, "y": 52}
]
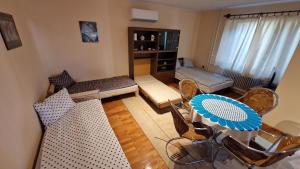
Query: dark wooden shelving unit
[
  {"x": 162, "y": 51},
  {"x": 145, "y": 41},
  {"x": 167, "y": 64},
  {"x": 166, "y": 59},
  {"x": 144, "y": 51}
]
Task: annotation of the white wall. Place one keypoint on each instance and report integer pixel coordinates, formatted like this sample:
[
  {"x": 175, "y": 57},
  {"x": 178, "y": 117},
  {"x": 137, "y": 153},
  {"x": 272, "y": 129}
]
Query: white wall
[
  {"x": 57, "y": 37},
  {"x": 288, "y": 91},
  {"x": 23, "y": 82}
]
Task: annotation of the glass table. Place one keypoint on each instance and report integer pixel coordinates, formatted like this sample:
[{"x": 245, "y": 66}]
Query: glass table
[
  {"x": 226, "y": 112},
  {"x": 227, "y": 115}
]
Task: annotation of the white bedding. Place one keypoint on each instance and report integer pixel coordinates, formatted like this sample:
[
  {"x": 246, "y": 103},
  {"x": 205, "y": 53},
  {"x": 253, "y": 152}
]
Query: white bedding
[
  {"x": 82, "y": 138},
  {"x": 207, "y": 81},
  {"x": 116, "y": 92},
  {"x": 156, "y": 91}
]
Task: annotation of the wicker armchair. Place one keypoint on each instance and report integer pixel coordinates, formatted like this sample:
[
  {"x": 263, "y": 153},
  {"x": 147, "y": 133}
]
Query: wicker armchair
[
  {"x": 248, "y": 155},
  {"x": 262, "y": 100},
  {"x": 188, "y": 89},
  {"x": 196, "y": 132}
]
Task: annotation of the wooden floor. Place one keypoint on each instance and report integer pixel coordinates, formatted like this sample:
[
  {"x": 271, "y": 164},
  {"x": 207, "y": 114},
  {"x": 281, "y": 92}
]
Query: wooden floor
[{"x": 138, "y": 149}]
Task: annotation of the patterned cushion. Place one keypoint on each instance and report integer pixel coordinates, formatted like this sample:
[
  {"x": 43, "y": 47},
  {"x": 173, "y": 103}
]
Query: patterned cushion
[
  {"x": 54, "y": 107},
  {"x": 63, "y": 80}
]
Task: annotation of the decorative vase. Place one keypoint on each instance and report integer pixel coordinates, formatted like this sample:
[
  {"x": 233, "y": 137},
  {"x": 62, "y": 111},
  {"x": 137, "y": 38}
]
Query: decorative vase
[
  {"x": 152, "y": 37},
  {"x": 135, "y": 36}
]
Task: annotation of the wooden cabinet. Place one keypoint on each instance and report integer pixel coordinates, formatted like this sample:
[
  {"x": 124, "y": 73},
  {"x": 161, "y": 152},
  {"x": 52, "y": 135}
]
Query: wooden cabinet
[{"x": 159, "y": 45}]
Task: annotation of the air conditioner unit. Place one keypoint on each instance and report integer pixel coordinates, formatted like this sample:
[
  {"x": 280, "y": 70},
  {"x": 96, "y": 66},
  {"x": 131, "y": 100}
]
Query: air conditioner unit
[{"x": 144, "y": 15}]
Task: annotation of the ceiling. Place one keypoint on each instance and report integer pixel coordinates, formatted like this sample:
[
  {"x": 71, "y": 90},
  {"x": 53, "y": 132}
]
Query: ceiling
[{"x": 217, "y": 4}]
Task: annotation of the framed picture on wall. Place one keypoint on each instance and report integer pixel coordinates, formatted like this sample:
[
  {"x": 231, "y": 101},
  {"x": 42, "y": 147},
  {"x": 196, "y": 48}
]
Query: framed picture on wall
[
  {"x": 88, "y": 31},
  {"x": 9, "y": 31}
]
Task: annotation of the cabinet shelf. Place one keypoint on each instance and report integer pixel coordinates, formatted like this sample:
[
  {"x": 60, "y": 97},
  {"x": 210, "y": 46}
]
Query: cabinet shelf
[
  {"x": 164, "y": 71},
  {"x": 146, "y": 41},
  {"x": 166, "y": 59},
  {"x": 144, "y": 51},
  {"x": 163, "y": 61},
  {"x": 143, "y": 57},
  {"x": 154, "y": 51},
  {"x": 167, "y": 51},
  {"x": 168, "y": 64}
]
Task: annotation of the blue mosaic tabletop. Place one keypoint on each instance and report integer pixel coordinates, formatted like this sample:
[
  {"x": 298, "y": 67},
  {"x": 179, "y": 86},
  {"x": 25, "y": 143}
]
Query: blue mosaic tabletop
[{"x": 226, "y": 112}]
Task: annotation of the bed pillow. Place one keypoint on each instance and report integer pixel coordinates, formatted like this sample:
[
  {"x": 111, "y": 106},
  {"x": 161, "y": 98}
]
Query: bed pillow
[
  {"x": 54, "y": 107},
  {"x": 188, "y": 62},
  {"x": 63, "y": 80}
]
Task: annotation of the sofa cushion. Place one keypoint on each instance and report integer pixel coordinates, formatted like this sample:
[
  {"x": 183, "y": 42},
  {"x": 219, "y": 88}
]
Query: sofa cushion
[
  {"x": 63, "y": 80},
  {"x": 106, "y": 84}
]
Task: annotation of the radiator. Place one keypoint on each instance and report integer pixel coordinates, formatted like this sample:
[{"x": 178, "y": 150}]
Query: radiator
[{"x": 241, "y": 83}]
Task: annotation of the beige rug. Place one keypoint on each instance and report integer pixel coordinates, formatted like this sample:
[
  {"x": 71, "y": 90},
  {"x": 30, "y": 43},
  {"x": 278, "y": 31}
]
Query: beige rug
[
  {"x": 161, "y": 126},
  {"x": 158, "y": 127}
]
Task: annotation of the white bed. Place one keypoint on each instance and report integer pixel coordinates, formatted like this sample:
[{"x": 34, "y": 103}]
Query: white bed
[
  {"x": 82, "y": 138},
  {"x": 208, "y": 82},
  {"x": 156, "y": 91},
  {"x": 117, "y": 92}
]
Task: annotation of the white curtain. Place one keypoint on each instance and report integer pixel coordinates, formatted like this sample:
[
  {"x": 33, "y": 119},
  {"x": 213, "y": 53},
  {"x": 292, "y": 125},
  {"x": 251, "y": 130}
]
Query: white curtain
[{"x": 255, "y": 47}]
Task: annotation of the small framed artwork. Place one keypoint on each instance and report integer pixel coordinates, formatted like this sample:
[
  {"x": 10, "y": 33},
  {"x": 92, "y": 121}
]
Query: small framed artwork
[
  {"x": 88, "y": 31},
  {"x": 9, "y": 31}
]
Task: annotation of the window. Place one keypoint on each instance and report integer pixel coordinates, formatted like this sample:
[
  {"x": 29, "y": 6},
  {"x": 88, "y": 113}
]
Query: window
[{"x": 256, "y": 47}]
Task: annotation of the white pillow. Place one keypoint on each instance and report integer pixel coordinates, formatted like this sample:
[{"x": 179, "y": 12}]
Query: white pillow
[
  {"x": 55, "y": 106},
  {"x": 188, "y": 62},
  {"x": 178, "y": 65}
]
